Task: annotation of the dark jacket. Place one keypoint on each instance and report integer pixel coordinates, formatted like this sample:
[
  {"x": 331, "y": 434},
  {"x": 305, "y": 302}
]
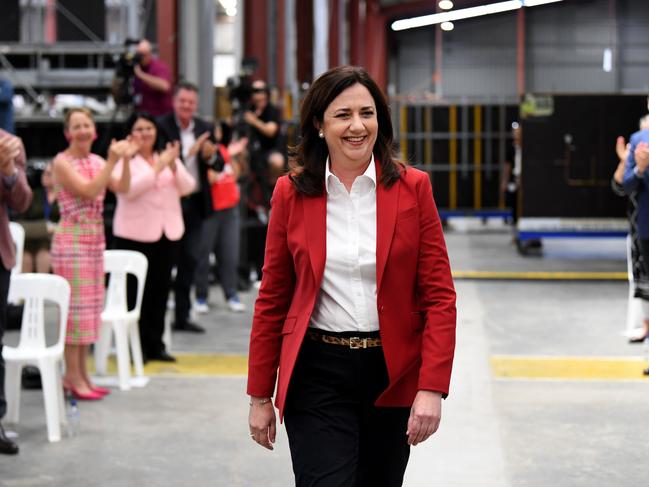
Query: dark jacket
[
  {"x": 169, "y": 131},
  {"x": 633, "y": 183}
]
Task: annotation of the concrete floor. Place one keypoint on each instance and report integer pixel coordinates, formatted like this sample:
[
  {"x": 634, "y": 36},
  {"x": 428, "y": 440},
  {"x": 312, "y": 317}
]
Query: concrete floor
[{"x": 191, "y": 430}]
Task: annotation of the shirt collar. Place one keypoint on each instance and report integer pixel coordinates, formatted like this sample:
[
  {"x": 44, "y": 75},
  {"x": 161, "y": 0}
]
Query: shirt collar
[
  {"x": 370, "y": 173},
  {"x": 190, "y": 127}
]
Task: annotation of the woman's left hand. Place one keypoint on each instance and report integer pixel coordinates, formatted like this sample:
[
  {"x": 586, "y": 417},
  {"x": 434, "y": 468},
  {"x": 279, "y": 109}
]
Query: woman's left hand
[
  {"x": 132, "y": 148},
  {"x": 170, "y": 154},
  {"x": 261, "y": 421},
  {"x": 425, "y": 415}
]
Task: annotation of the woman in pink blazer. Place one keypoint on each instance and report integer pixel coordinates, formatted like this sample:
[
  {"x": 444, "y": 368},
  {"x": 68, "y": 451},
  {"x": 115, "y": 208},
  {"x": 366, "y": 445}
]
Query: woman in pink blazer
[{"x": 148, "y": 219}]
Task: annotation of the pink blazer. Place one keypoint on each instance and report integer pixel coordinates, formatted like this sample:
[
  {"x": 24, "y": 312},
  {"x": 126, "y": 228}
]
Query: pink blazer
[{"x": 151, "y": 207}]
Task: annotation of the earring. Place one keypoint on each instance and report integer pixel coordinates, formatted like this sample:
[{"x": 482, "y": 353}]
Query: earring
[{"x": 321, "y": 134}]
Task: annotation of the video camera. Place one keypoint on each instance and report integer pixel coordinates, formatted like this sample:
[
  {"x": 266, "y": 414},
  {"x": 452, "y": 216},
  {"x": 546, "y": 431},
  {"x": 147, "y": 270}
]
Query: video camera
[
  {"x": 122, "y": 88},
  {"x": 240, "y": 93}
]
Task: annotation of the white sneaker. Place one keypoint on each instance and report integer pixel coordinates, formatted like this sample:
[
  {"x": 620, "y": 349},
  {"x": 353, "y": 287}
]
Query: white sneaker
[
  {"x": 201, "y": 307},
  {"x": 235, "y": 305}
]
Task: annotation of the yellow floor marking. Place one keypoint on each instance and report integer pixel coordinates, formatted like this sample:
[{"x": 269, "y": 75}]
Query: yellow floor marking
[
  {"x": 575, "y": 368},
  {"x": 503, "y": 367},
  {"x": 550, "y": 276},
  {"x": 190, "y": 364}
]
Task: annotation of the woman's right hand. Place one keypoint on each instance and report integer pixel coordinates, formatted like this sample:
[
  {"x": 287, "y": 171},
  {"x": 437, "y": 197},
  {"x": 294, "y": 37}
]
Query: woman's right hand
[
  {"x": 115, "y": 151},
  {"x": 122, "y": 149},
  {"x": 261, "y": 421}
]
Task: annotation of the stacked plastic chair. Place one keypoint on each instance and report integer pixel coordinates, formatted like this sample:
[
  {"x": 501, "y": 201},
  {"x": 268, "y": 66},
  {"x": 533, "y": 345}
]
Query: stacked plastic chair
[
  {"x": 119, "y": 321},
  {"x": 34, "y": 290}
]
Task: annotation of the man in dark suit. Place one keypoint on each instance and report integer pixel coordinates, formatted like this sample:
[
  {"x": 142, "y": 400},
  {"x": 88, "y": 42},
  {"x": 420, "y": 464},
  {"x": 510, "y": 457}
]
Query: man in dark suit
[
  {"x": 15, "y": 195},
  {"x": 198, "y": 151}
]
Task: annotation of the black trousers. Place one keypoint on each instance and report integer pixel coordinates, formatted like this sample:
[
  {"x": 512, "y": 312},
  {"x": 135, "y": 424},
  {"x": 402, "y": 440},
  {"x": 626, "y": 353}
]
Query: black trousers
[
  {"x": 644, "y": 251},
  {"x": 188, "y": 256},
  {"x": 161, "y": 256},
  {"x": 337, "y": 437},
  {"x": 4, "y": 290}
]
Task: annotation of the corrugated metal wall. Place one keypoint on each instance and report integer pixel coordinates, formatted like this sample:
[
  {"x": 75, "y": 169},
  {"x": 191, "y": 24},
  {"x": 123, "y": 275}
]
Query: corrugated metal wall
[
  {"x": 479, "y": 58},
  {"x": 564, "y": 52}
]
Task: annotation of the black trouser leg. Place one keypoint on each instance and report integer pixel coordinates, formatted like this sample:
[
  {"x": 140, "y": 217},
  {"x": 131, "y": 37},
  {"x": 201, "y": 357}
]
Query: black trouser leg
[
  {"x": 188, "y": 255},
  {"x": 337, "y": 437},
  {"x": 161, "y": 258},
  {"x": 159, "y": 275},
  {"x": 4, "y": 289},
  {"x": 384, "y": 449}
]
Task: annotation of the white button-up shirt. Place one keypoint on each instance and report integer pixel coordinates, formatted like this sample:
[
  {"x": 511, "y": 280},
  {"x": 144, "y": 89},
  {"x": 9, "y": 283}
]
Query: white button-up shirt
[
  {"x": 187, "y": 140},
  {"x": 347, "y": 300}
]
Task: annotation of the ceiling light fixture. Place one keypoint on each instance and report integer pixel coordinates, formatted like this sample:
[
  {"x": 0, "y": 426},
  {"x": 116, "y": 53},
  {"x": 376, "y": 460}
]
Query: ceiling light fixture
[{"x": 465, "y": 13}]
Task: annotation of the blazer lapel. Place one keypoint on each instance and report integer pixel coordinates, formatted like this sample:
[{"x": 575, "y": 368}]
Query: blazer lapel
[
  {"x": 315, "y": 228},
  {"x": 387, "y": 202}
]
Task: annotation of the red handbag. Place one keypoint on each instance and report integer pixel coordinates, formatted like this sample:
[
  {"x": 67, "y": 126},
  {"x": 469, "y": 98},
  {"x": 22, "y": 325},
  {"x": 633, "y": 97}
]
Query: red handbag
[{"x": 225, "y": 192}]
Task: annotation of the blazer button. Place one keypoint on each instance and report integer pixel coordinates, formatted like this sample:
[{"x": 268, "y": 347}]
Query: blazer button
[{"x": 381, "y": 309}]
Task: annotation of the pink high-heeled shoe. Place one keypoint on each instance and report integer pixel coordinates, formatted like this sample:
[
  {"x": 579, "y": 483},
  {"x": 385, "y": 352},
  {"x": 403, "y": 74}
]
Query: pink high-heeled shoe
[
  {"x": 100, "y": 390},
  {"x": 82, "y": 396}
]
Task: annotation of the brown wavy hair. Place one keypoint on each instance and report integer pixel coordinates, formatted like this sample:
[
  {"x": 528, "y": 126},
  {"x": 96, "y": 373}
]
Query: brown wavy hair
[
  {"x": 308, "y": 159},
  {"x": 71, "y": 111}
]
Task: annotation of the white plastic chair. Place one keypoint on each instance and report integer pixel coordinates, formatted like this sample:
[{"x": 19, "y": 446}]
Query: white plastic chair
[
  {"x": 18, "y": 236},
  {"x": 119, "y": 321},
  {"x": 32, "y": 349}
]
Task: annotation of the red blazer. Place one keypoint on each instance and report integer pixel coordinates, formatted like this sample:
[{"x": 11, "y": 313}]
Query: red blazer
[{"x": 415, "y": 294}]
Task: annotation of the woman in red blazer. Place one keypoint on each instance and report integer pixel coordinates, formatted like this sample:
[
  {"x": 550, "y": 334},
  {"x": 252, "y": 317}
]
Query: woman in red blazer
[{"x": 355, "y": 319}]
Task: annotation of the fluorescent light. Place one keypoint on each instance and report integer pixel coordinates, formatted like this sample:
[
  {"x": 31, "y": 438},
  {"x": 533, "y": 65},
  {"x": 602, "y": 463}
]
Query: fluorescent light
[
  {"x": 447, "y": 26},
  {"x": 607, "y": 62},
  {"x": 534, "y": 3},
  {"x": 445, "y": 4},
  {"x": 465, "y": 13}
]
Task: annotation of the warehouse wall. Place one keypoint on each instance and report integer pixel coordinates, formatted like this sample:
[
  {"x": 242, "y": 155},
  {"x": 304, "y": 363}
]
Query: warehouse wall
[{"x": 565, "y": 45}]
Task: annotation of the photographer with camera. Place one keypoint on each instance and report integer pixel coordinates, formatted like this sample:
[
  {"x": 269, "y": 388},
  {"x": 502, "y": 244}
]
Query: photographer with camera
[
  {"x": 264, "y": 121},
  {"x": 153, "y": 84},
  {"x": 199, "y": 152}
]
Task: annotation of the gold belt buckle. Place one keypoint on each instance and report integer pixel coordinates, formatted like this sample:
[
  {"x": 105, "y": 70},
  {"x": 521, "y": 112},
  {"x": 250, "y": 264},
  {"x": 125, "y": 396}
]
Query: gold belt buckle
[{"x": 356, "y": 343}]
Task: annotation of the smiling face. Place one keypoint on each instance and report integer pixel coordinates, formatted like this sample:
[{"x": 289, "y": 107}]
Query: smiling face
[
  {"x": 144, "y": 134},
  {"x": 80, "y": 130},
  {"x": 350, "y": 127},
  {"x": 185, "y": 104}
]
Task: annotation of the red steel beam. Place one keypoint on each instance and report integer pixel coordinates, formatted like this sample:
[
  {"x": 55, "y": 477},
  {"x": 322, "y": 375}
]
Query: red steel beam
[
  {"x": 280, "y": 42},
  {"x": 255, "y": 35},
  {"x": 375, "y": 43},
  {"x": 167, "y": 28},
  {"x": 334, "y": 34}
]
